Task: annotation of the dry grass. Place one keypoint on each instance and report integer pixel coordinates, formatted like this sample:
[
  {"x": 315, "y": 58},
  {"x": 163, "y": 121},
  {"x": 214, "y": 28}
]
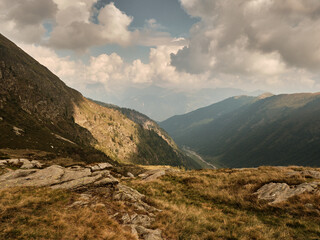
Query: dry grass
[
  {"x": 219, "y": 204},
  {"x": 40, "y": 213}
]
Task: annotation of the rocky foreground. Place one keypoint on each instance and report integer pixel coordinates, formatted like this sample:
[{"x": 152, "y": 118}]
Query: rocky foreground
[
  {"x": 249, "y": 203},
  {"x": 91, "y": 181}
]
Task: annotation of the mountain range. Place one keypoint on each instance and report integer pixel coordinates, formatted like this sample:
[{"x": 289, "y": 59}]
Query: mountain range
[
  {"x": 38, "y": 111},
  {"x": 253, "y": 131},
  {"x": 160, "y": 103}
]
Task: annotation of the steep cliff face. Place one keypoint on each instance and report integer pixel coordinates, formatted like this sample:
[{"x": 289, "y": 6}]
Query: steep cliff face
[{"x": 38, "y": 111}]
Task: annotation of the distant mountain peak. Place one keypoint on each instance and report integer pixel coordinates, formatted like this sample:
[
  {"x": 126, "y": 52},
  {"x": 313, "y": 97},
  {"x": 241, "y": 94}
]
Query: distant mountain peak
[{"x": 265, "y": 95}]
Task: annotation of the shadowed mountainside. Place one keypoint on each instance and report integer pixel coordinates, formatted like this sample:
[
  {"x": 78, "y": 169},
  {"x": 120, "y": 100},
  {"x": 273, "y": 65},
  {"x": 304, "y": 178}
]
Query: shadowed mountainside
[
  {"x": 38, "y": 111},
  {"x": 248, "y": 132}
]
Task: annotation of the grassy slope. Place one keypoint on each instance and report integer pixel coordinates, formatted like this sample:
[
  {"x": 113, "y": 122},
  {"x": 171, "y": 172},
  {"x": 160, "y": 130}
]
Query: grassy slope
[
  {"x": 30, "y": 213},
  {"x": 219, "y": 204}
]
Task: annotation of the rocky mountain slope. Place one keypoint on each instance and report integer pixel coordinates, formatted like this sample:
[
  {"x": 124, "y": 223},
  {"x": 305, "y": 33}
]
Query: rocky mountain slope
[
  {"x": 249, "y": 132},
  {"x": 38, "y": 111}
]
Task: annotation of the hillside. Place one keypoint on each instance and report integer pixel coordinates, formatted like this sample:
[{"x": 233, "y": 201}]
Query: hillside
[
  {"x": 38, "y": 111},
  {"x": 274, "y": 130}
]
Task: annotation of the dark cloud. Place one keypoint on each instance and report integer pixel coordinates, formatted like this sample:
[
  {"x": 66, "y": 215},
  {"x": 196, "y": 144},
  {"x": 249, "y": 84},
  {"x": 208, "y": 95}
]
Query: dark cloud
[{"x": 30, "y": 12}]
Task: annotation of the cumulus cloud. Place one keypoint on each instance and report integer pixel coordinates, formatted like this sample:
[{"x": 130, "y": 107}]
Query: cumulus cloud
[
  {"x": 78, "y": 33},
  {"x": 23, "y": 19},
  {"x": 77, "y": 25},
  {"x": 251, "y": 37}
]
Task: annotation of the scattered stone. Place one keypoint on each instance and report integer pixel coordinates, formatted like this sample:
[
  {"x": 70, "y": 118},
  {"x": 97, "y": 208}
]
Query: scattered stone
[
  {"x": 279, "y": 192},
  {"x": 309, "y": 205},
  {"x": 126, "y": 219},
  {"x": 142, "y": 220},
  {"x": 105, "y": 166},
  {"x": 37, "y": 164},
  {"x": 100, "y": 166},
  {"x": 134, "y": 198},
  {"x": 3, "y": 163},
  {"x": 15, "y": 162},
  {"x": 149, "y": 234},
  {"x": 26, "y": 164},
  {"x": 18, "y": 131},
  {"x": 152, "y": 174},
  {"x": 311, "y": 174},
  {"x": 130, "y": 175},
  {"x": 107, "y": 181}
]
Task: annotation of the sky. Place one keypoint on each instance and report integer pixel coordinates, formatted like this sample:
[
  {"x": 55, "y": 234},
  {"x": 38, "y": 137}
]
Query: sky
[{"x": 102, "y": 47}]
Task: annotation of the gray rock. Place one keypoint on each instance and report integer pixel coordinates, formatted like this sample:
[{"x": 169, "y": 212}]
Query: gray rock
[
  {"x": 142, "y": 220},
  {"x": 3, "y": 162},
  {"x": 100, "y": 166},
  {"x": 126, "y": 219},
  {"x": 126, "y": 193},
  {"x": 136, "y": 199},
  {"x": 80, "y": 182},
  {"x": 15, "y": 175},
  {"x": 153, "y": 174},
  {"x": 56, "y": 177},
  {"x": 14, "y": 161},
  {"x": 95, "y": 168},
  {"x": 104, "y": 166},
  {"x": 37, "y": 164},
  {"x": 71, "y": 174},
  {"x": 311, "y": 173},
  {"x": 107, "y": 181},
  {"x": 279, "y": 192},
  {"x": 130, "y": 175},
  {"x": 149, "y": 234},
  {"x": 26, "y": 164}
]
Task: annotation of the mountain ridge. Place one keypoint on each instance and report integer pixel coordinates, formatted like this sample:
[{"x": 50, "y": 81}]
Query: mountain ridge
[
  {"x": 277, "y": 130},
  {"x": 39, "y": 111}
]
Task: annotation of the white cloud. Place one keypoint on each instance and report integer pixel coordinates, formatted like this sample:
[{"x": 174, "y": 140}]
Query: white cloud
[
  {"x": 79, "y": 34},
  {"x": 267, "y": 40}
]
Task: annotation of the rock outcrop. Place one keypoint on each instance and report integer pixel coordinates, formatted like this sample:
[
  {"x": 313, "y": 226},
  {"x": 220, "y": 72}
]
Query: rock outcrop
[
  {"x": 22, "y": 163},
  {"x": 279, "y": 192},
  {"x": 88, "y": 180},
  {"x": 154, "y": 174},
  {"x": 56, "y": 177}
]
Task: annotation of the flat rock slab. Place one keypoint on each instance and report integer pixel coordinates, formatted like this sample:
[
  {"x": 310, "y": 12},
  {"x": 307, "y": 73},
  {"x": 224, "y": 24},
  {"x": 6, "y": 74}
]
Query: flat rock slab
[
  {"x": 279, "y": 192},
  {"x": 22, "y": 163},
  {"x": 154, "y": 174},
  {"x": 56, "y": 177}
]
